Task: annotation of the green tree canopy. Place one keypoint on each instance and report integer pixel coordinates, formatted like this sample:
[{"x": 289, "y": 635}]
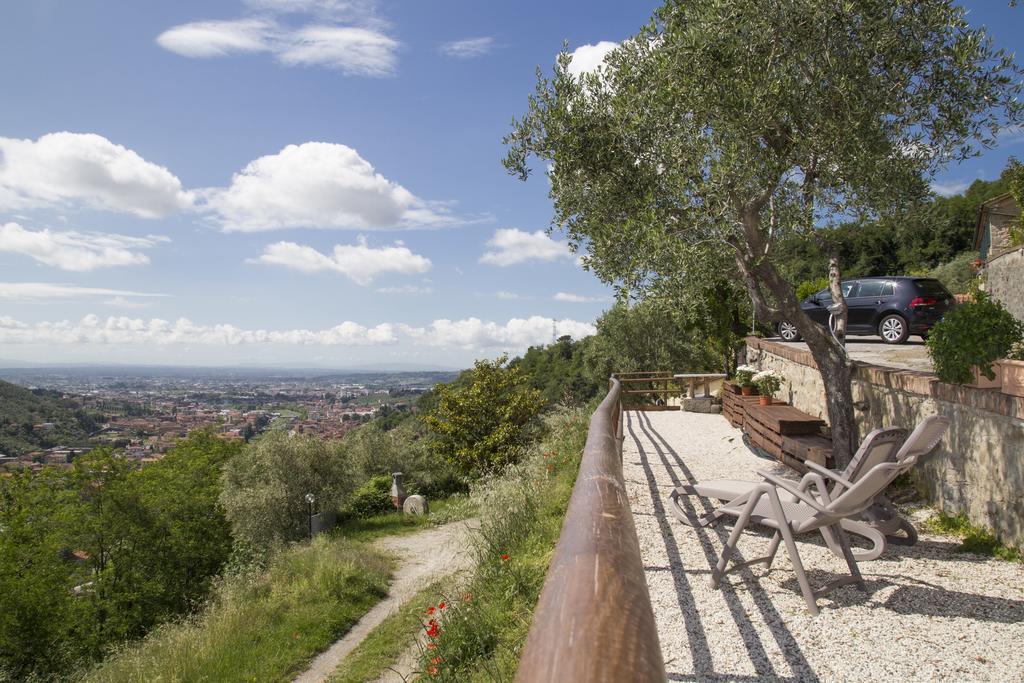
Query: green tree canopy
[{"x": 485, "y": 419}]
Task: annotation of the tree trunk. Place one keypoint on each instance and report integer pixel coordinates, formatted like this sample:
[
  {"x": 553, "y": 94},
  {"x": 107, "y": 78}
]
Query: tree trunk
[
  {"x": 830, "y": 355},
  {"x": 835, "y": 286}
]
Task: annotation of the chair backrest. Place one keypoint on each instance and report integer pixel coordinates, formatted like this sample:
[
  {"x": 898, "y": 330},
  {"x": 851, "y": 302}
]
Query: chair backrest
[
  {"x": 879, "y": 446},
  {"x": 924, "y": 438},
  {"x": 874, "y": 481}
]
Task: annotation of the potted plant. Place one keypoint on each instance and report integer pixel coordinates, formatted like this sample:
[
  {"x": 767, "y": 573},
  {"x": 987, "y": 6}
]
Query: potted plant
[
  {"x": 767, "y": 382},
  {"x": 967, "y": 341},
  {"x": 744, "y": 378},
  {"x": 1011, "y": 372}
]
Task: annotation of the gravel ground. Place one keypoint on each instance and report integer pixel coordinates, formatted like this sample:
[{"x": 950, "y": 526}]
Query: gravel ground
[{"x": 929, "y": 613}]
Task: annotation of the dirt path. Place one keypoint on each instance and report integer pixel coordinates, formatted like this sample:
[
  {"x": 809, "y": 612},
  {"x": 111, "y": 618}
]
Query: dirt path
[{"x": 423, "y": 557}]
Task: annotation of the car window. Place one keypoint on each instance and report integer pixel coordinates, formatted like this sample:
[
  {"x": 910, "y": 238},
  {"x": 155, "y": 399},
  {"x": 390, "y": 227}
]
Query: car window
[
  {"x": 932, "y": 288},
  {"x": 825, "y": 296},
  {"x": 870, "y": 288},
  {"x": 889, "y": 289}
]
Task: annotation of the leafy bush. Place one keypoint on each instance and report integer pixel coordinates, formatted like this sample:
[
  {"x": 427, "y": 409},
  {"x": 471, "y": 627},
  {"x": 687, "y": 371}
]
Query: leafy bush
[
  {"x": 485, "y": 420},
  {"x": 809, "y": 287},
  {"x": 264, "y": 487},
  {"x": 372, "y": 498},
  {"x": 957, "y": 274},
  {"x": 974, "y": 334}
]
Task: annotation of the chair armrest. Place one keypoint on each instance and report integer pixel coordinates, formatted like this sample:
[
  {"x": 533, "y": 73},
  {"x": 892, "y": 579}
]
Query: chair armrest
[
  {"x": 831, "y": 474},
  {"x": 788, "y": 486}
]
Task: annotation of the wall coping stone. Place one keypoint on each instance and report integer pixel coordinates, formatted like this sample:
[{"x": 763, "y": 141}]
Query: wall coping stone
[{"x": 908, "y": 381}]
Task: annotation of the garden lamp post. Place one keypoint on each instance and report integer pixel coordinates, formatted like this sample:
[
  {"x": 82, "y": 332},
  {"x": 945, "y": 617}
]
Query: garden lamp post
[{"x": 310, "y": 498}]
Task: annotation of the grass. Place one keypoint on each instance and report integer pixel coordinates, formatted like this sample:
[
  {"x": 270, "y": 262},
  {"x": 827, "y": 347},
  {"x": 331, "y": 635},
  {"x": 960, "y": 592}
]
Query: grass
[
  {"x": 442, "y": 511},
  {"x": 263, "y": 628},
  {"x": 972, "y": 539},
  {"x": 483, "y": 630},
  {"x": 386, "y": 643}
]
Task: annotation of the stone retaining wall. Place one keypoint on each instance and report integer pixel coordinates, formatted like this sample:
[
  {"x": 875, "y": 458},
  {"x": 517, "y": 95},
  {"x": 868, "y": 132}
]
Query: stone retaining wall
[
  {"x": 1005, "y": 280},
  {"x": 979, "y": 466}
]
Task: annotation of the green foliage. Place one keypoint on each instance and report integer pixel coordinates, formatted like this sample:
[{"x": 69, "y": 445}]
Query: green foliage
[
  {"x": 974, "y": 334},
  {"x": 150, "y": 542},
  {"x": 809, "y": 287},
  {"x": 645, "y": 336},
  {"x": 958, "y": 274},
  {"x": 372, "y": 498},
  {"x": 264, "y": 487},
  {"x": 767, "y": 382},
  {"x": 264, "y": 627},
  {"x": 745, "y": 375},
  {"x": 485, "y": 420},
  {"x": 21, "y": 409},
  {"x": 1015, "y": 180},
  {"x": 522, "y": 511},
  {"x": 557, "y": 371},
  {"x": 973, "y": 539}
]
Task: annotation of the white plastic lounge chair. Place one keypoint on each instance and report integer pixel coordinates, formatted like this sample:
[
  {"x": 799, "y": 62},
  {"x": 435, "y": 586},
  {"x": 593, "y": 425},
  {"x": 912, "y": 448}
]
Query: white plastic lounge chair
[
  {"x": 820, "y": 510},
  {"x": 879, "y": 446}
]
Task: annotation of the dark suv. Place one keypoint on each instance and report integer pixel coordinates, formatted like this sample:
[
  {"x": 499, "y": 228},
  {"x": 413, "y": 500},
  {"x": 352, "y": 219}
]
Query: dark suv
[{"x": 891, "y": 307}]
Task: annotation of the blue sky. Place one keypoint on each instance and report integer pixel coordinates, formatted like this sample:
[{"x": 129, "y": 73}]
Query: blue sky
[{"x": 161, "y": 166}]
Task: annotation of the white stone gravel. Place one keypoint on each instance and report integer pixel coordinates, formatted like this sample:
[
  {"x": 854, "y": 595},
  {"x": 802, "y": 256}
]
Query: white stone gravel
[{"x": 929, "y": 613}]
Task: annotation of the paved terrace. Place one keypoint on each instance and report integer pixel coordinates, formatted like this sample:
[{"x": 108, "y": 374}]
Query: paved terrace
[{"x": 929, "y": 612}]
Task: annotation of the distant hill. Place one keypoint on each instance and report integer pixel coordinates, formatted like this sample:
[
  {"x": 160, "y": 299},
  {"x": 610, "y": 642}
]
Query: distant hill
[{"x": 22, "y": 409}]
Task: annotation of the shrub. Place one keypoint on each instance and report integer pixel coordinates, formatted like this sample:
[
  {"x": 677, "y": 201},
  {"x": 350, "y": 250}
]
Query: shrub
[
  {"x": 958, "y": 273},
  {"x": 264, "y": 487},
  {"x": 809, "y": 287},
  {"x": 372, "y": 498},
  {"x": 484, "y": 420},
  {"x": 974, "y": 334}
]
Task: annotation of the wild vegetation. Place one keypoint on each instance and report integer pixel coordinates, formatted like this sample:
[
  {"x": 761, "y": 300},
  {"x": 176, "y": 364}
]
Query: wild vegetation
[{"x": 23, "y": 409}]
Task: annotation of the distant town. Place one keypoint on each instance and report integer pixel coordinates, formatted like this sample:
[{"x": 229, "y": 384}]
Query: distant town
[{"x": 144, "y": 412}]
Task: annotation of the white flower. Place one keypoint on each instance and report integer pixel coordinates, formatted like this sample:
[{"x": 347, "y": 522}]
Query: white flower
[
  {"x": 765, "y": 374},
  {"x": 746, "y": 368}
]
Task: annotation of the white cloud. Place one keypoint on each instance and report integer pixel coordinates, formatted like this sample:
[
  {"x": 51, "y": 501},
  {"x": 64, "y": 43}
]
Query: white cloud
[
  {"x": 468, "y": 48},
  {"x": 41, "y": 291},
  {"x": 589, "y": 58},
  {"x": 577, "y": 298},
  {"x": 355, "y": 50},
  {"x": 471, "y": 333},
  {"x": 319, "y": 185},
  {"x": 509, "y": 296},
  {"x": 123, "y": 302},
  {"x": 405, "y": 289},
  {"x": 77, "y": 251},
  {"x": 949, "y": 187},
  {"x": 510, "y": 246},
  {"x": 359, "y": 262},
  {"x": 64, "y": 167},
  {"x": 218, "y": 38},
  {"x": 516, "y": 334}
]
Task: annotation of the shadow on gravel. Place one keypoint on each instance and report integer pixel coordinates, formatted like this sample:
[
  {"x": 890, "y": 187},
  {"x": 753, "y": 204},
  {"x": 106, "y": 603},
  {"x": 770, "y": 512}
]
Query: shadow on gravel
[{"x": 787, "y": 645}]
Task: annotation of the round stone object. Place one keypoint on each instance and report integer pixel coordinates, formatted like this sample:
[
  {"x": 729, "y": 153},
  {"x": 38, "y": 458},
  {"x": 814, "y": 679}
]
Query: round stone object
[{"x": 415, "y": 505}]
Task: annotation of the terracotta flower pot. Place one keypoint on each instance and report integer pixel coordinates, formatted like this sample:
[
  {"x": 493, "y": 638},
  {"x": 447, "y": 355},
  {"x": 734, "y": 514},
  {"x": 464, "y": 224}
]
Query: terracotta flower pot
[
  {"x": 765, "y": 400},
  {"x": 982, "y": 382},
  {"x": 747, "y": 390},
  {"x": 1012, "y": 374}
]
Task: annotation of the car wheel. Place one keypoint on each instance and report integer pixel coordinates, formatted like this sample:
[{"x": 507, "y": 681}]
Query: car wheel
[
  {"x": 788, "y": 332},
  {"x": 893, "y": 329}
]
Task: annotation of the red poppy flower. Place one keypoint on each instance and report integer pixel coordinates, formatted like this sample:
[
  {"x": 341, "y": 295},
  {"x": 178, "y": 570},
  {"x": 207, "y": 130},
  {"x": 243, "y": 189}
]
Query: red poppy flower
[
  {"x": 433, "y": 628},
  {"x": 504, "y": 557},
  {"x": 442, "y": 605},
  {"x": 436, "y": 660},
  {"x": 430, "y": 611},
  {"x": 432, "y": 671},
  {"x": 431, "y": 646}
]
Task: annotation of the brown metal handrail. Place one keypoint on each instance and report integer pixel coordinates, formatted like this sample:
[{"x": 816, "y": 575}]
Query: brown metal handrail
[{"x": 594, "y": 620}]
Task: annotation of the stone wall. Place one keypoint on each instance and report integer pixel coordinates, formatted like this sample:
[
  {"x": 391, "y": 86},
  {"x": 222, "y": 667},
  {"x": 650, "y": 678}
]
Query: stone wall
[
  {"x": 979, "y": 466},
  {"x": 1005, "y": 280}
]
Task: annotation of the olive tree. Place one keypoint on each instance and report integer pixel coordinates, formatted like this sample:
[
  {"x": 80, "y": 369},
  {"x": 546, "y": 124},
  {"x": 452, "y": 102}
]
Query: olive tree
[{"x": 725, "y": 127}]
